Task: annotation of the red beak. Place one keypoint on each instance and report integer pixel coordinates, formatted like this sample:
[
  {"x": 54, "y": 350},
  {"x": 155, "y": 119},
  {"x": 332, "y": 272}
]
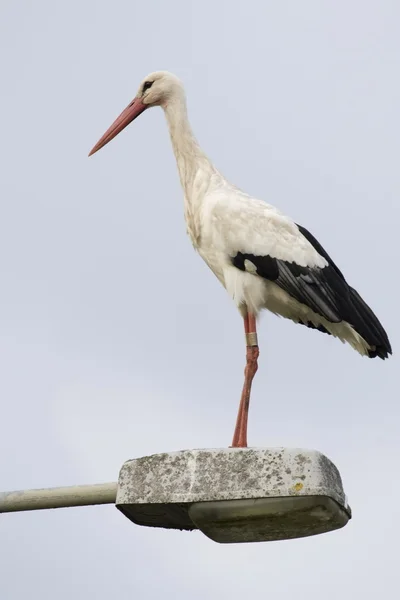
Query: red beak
[{"x": 133, "y": 110}]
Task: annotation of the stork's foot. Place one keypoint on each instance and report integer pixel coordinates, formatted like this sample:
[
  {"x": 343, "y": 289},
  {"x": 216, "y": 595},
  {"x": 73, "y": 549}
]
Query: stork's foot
[{"x": 240, "y": 434}]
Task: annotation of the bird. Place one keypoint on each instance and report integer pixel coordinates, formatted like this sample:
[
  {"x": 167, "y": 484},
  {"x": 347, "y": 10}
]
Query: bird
[{"x": 262, "y": 257}]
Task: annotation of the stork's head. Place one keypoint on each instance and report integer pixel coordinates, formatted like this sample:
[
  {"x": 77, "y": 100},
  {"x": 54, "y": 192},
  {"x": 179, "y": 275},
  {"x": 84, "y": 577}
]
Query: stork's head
[{"x": 157, "y": 89}]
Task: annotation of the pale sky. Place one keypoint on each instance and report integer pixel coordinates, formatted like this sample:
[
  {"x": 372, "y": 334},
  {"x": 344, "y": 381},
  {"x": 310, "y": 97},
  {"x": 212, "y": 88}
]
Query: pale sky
[{"x": 117, "y": 342}]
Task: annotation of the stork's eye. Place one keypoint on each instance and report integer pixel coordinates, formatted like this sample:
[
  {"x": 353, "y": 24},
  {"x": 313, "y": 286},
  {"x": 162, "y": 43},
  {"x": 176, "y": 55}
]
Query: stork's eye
[{"x": 147, "y": 85}]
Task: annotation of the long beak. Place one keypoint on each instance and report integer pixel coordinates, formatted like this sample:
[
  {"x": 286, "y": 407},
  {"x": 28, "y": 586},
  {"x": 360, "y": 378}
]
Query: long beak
[{"x": 133, "y": 110}]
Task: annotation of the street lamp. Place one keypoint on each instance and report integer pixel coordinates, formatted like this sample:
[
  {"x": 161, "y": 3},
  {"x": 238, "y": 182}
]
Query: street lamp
[{"x": 231, "y": 494}]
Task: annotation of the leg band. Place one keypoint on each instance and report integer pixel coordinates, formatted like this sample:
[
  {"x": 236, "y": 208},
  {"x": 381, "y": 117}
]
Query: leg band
[{"x": 251, "y": 339}]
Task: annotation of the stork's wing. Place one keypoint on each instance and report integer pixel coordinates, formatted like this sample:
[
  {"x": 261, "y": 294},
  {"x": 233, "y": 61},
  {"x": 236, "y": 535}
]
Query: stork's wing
[
  {"x": 323, "y": 289},
  {"x": 319, "y": 285},
  {"x": 264, "y": 242}
]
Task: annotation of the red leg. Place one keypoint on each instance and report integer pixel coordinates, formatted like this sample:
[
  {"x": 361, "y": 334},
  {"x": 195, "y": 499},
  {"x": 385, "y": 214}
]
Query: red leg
[{"x": 252, "y": 352}]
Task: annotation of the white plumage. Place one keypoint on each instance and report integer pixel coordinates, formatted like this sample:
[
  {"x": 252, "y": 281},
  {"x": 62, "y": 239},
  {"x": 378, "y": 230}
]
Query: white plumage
[
  {"x": 263, "y": 258},
  {"x": 231, "y": 222}
]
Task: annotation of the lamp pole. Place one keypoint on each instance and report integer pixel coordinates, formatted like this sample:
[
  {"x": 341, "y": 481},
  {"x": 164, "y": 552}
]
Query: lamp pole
[{"x": 58, "y": 497}]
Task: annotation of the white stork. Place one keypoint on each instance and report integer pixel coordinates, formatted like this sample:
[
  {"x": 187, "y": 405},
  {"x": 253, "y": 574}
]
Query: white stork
[{"x": 263, "y": 258}]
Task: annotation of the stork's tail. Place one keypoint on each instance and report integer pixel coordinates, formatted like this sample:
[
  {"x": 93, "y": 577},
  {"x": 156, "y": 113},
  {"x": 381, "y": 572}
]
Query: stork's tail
[
  {"x": 362, "y": 329},
  {"x": 367, "y": 325}
]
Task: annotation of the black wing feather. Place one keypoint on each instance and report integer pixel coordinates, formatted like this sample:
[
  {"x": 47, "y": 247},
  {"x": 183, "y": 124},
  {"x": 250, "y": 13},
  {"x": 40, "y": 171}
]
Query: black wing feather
[
  {"x": 324, "y": 290},
  {"x": 316, "y": 288}
]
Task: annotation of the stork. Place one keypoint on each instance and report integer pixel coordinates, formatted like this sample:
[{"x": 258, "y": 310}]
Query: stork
[{"x": 262, "y": 257}]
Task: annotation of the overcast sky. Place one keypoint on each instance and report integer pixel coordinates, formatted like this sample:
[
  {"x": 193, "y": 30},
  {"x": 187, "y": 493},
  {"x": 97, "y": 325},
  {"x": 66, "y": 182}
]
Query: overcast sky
[{"x": 116, "y": 340}]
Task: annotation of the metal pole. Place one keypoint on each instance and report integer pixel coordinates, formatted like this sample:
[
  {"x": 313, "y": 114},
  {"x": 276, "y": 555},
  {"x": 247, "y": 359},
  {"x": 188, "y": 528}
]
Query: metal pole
[{"x": 76, "y": 495}]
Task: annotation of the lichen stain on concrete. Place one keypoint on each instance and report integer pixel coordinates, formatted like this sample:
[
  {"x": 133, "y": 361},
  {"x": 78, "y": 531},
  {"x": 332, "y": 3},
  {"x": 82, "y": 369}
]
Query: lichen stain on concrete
[
  {"x": 301, "y": 459},
  {"x": 298, "y": 486}
]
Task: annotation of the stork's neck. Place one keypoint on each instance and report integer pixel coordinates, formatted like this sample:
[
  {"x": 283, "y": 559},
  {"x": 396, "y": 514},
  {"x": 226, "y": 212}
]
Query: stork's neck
[{"x": 189, "y": 156}]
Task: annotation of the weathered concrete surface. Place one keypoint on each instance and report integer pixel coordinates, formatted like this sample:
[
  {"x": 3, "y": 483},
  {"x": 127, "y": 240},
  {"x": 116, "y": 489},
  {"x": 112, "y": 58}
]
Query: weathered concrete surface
[{"x": 201, "y": 488}]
